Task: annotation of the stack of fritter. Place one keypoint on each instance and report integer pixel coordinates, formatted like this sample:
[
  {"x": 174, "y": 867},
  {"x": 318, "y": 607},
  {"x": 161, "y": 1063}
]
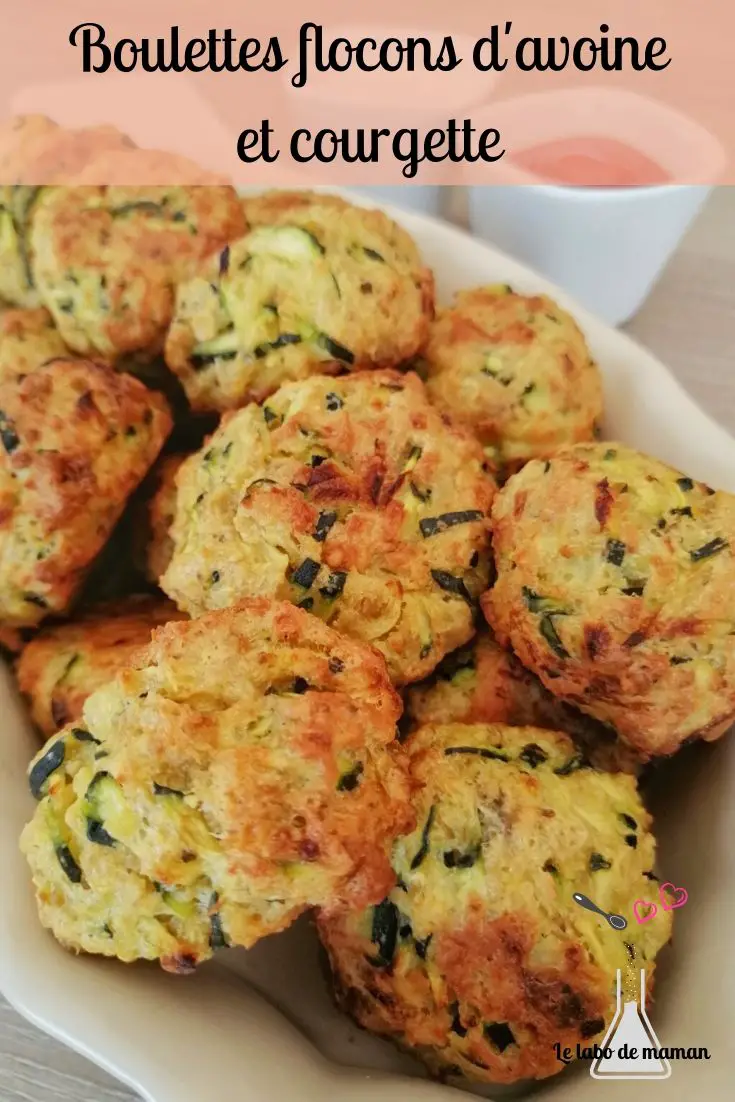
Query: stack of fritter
[{"x": 339, "y": 535}]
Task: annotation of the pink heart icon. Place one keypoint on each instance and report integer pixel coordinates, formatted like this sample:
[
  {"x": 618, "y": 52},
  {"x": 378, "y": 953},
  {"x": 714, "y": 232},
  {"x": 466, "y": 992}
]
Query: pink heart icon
[
  {"x": 673, "y": 898},
  {"x": 644, "y": 911}
]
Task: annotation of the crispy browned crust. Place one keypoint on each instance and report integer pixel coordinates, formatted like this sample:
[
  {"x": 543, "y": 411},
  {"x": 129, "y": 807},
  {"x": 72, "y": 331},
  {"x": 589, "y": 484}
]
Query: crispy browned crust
[
  {"x": 516, "y": 370},
  {"x": 64, "y": 664},
  {"x": 254, "y": 773},
  {"x": 28, "y": 339},
  {"x": 77, "y": 440},
  {"x": 613, "y": 574},
  {"x": 352, "y": 711},
  {"x": 351, "y": 496},
  {"x": 479, "y": 959},
  {"x": 483, "y": 683}
]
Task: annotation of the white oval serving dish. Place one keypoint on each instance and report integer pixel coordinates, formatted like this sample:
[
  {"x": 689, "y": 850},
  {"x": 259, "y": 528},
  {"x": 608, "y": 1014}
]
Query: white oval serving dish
[{"x": 214, "y": 1035}]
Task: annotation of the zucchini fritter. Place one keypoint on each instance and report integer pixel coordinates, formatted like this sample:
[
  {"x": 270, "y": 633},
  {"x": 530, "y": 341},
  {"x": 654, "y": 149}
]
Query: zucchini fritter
[
  {"x": 243, "y": 770},
  {"x": 482, "y": 683},
  {"x": 18, "y": 138},
  {"x": 28, "y": 338},
  {"x": 515, "y": 369},
  {"x": 320, "y": 287},
  {"x": 106, "y": 260},
  {"x": 351, "y": 497},
  {"x": 64, "y": 664},
  {"x": 34, "y": 152},
  {"x": 77, "y": 438},
  {"x": 616, "y": 585},
  {"x": 480, "y": 959}
]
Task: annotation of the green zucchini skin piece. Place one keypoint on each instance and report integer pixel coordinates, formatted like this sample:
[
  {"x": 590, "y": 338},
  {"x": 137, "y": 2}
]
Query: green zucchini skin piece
[
  {"x": 324, "y": 525},
  {"x": 44, "y": 767},
  {"x": 433, "y": 526},
  {"x": 96, "y": 833},
  {"x": 477, "y": 751},
  {"x": 335, "y": 349},
  {"x": 218, "y": 939},
  {"x": 8, "y": 435},
  {"x": 454, "y": 585},
  {"x": 577, "y": 761},
  {"x": 284, "y": 339},
  {"x": 550, "y": 634},
  {"x": 68, "y": 863},
  {"x": 164, "y": 790},
  {"x": 305, "y": 574},
  {"x": 545, "y": 605},
  {"x": 223, "y": 347},
  {"x": 424, "y": 847},
  {"x": 709, "y": 549},
  {"x": 384, "y": 933}
]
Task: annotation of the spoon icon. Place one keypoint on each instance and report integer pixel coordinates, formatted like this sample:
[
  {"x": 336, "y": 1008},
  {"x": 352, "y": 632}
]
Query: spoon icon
[{"x": 616, "y": 921}]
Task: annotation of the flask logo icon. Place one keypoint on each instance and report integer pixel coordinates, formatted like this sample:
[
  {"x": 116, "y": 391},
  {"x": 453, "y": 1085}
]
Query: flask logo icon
[{"x": 631, "y": 1049}]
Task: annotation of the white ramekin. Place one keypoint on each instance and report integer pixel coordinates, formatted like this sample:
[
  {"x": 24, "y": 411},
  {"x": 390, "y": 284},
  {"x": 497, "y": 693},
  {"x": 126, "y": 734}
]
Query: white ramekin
[{"x": 605, "y": 245}]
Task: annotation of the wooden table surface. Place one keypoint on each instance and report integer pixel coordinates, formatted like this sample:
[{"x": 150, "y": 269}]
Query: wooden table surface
[{"x": 689, "y": 322}]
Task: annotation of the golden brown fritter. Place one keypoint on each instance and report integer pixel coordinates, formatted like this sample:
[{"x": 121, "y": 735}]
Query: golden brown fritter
[
  {"x": 482, "y": 683},
  {"x": 155, "y": 516},
  {"x": 351, "y": 497},
  {"x": 65, "y": 663},
  {"x": 106, "y": 259},
  {"x": 244, "y": 770},
  {"x": 28, "y": 338},
  {"x": 320, "y": 288},
  {"x": 34, "y": 151},
  {"x": 269, "y": 208},
  {"x": 480, "y": 959},
  {"x": 615, "y": 577},
  {"x": 516, "y": 370},
  {"x": 18, "y": 138},
  {"x": 145, "y": 168},
  {"x": 77, "y": 438}
]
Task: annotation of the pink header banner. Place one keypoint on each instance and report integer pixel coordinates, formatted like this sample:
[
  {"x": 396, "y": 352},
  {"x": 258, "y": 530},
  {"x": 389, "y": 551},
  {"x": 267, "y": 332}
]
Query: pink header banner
[{"x": 639, "y": 92}]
